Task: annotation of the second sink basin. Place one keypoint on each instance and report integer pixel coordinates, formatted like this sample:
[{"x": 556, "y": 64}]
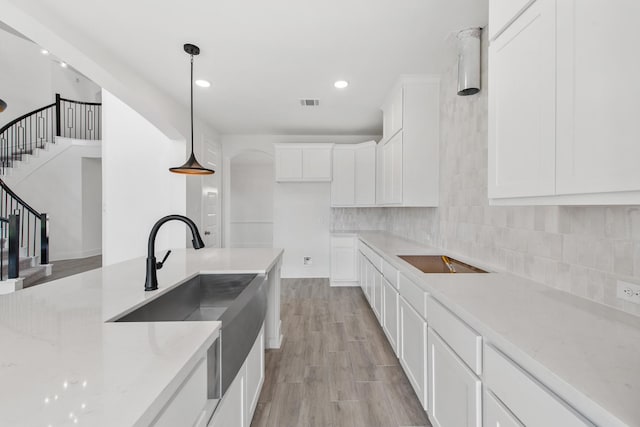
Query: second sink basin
[{"x": 436, "y": 264}]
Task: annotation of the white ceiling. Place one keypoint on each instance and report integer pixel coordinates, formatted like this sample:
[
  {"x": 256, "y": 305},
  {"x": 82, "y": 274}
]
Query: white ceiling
[{"x": 263, "y": 56}]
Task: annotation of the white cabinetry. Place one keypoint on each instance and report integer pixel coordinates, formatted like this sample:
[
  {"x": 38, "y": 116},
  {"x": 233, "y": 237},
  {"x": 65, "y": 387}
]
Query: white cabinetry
[
  {"x": 390, "y": 307},
  {"x": 561, "y": 112},
  {"x": 241, "y": 398},
  {"x": 408, "y": 153},
  {"x": 522, "y": 105},
  {"x": 413, "y": 349},
  {"x": 187, "y": 404},
  {"x": 598, "y": 134},
  {"x": 495, "y": 414},
  {"x": 517, "y": 389},
  {"x": 303, "y": 162},
  {"x": 354, "y": 175},
  {"x": 344, "y": 260},
  {"x": 454, "y": 390}
]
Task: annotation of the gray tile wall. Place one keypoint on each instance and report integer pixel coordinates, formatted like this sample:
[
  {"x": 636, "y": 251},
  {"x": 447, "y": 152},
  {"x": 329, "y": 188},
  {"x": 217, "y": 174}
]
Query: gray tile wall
[{"x": 581, "y": 250}]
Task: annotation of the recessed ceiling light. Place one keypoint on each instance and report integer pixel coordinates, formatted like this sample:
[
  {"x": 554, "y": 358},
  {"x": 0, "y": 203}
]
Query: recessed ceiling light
[
  {"x": 44, "y": 52},
  {"x": 203, "y": 83},
  {"x": 341, "y": 84},
  {"x": 63, "y": 64}
]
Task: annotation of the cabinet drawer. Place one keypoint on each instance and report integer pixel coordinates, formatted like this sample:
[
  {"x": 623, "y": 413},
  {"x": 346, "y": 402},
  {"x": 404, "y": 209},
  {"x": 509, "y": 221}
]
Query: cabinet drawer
[
  {"x": 375, "y": 259},
  {"x": 466, "y": 342},
  {"x": 390, "y": 273},
  {"x": 495, "y": 414},
  {"x": 517, "y": 390},
  {"x": 413, "y": 294}
]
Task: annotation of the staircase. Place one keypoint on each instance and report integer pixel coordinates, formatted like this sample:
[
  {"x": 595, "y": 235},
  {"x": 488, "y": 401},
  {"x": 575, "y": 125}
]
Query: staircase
[{"x": 24, "y": 232}]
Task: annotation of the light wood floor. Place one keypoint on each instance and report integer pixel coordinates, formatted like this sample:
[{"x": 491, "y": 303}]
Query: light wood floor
[
  {"x": 69, "y": 267},
  {"x": 335, "y": 367}
]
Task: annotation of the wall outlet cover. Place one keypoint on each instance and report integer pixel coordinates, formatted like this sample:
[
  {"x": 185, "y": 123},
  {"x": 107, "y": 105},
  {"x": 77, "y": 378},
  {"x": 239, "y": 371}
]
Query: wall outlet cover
[
  {"x": 307, "y": 260},
  {"x": 628, "y": 291}
]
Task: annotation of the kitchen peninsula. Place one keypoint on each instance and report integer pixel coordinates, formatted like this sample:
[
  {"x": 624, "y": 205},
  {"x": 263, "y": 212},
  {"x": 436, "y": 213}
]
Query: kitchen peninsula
[{"x": 64, "y": 362}]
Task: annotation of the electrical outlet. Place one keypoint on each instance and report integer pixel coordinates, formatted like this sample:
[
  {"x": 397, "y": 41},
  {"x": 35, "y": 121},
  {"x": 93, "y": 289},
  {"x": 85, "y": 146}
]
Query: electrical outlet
[
  {"x": 307, "y": 260},
  {"x": 628, "y": 291}
]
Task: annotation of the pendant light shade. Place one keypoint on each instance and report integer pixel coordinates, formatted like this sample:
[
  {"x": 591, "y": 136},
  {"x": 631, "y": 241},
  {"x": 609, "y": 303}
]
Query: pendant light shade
[
  {"x": 192, "y": 166},
  {"x": 3, "y": 105}
]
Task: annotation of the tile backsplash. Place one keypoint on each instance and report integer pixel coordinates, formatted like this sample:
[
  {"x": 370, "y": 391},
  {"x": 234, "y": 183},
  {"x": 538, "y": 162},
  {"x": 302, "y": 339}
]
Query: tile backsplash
[{"x": 581, "y": 250}]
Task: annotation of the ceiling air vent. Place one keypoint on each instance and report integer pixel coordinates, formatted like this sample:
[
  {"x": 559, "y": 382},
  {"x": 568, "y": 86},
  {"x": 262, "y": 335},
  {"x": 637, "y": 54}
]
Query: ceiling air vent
[{"x": 309, "y": 102}]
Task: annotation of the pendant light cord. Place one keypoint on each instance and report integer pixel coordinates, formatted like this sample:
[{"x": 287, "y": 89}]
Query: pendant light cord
[{"x": 191, "y": 104}]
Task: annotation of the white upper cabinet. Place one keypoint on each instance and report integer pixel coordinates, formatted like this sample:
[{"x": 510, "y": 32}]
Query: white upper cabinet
[
  {"x": 408, "y": 160},
  {"x": 502, "y": 13},
  {"x": 354, "y": 179},
  {"x": 563, "y": 103},
  {"x": 598, "y": 109},
  {"x": 343, "y": 186},
  {"x": 303, "y": 162},
  {"x": 522, "y": 105}
]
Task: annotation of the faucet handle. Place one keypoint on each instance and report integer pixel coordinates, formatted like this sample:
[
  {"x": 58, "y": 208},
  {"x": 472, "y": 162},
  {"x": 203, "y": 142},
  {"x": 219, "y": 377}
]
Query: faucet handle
[{"x": 161, "y": 263}]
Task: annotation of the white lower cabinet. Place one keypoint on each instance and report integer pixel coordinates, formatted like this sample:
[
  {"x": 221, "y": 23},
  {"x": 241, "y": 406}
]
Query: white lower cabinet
[
  {"x": 413, "y": 349},
  {"x": 495, "y": 414},
  {"x": 241, "y": 398},
  {"x": 390, "y": 302},
  {"x": 377, "y": 294},
  {"x": 344, "y": 260},
  {"x": 517, "y": 390},
  {"x": 186, "y": 405},
  {"x": 454, "y": 390}
]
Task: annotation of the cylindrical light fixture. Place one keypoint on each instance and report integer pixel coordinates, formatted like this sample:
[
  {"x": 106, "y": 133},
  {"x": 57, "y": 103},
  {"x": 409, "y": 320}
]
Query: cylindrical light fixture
[
  {"x": 3, "y": 105},
  {"x": 469, "y": 61}
]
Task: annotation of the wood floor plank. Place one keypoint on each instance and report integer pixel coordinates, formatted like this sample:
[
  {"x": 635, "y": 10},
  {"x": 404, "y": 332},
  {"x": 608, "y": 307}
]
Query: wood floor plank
[{"x": 341, "y": 382}]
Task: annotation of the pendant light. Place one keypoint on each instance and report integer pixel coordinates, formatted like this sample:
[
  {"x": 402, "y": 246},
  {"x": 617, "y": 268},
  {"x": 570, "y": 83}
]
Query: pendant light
[
  {"x": 192, "y": 166},
  {"x": 3, "y": 105}
]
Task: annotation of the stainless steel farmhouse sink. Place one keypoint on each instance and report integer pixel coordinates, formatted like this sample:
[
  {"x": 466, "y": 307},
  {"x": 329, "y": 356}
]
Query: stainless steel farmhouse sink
[
  {"x": 238, "y": 301},
  {"x": 439, "y": 264}
]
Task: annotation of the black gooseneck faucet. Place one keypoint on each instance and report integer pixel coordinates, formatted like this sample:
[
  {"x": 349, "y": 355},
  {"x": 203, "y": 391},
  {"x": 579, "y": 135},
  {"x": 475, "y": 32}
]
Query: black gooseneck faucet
[{"x": 151, "y": 282}]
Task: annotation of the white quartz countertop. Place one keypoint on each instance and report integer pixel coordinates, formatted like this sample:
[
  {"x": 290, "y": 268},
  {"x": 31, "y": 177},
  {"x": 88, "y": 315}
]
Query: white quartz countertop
[
  {"x": 63, "y": 364},
  {"x": 586, "y": 352}
]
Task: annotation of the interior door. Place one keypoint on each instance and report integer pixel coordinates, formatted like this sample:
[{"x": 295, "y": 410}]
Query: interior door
[{"x": 210, "y": 197}]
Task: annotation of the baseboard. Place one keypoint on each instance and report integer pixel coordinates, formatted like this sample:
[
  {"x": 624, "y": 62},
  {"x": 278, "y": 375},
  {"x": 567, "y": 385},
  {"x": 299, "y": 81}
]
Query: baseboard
[
  {"x": 340, "y": 284},
  {"x": 76, "y": 255}
]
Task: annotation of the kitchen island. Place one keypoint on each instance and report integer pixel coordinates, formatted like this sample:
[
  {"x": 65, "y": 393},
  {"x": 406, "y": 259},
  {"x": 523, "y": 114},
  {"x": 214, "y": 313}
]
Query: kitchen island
[{"x": 63, "y": 362}]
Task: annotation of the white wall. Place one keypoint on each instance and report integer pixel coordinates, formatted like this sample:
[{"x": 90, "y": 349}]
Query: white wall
[
  {"x": 138, "y": 188},
  {"x": 252, "y": 184},
  {"x": 30, "y": 80},
  {"x": 301, "y": 222},
  {"x": 53, "y": 183},
  {"x": 91, "y": 205}
]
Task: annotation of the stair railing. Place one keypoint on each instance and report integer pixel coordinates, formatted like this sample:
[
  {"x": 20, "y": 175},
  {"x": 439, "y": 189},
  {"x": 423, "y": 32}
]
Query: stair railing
[
  {"x": 23, "y": 227},
  {"x": 65, "y": 117}
]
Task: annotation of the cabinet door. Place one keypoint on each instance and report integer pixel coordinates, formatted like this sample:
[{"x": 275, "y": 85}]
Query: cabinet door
[
  {"x": 316, "y": 163},
  {"x": 522, "y": 105},
  {"x": 413, "y": 349},
  {"x": 343, "y": 185},
  {"x": 231, "y": 411},
  {"x": 396, "y": 111},
  {"x": 254, "y": 375},
  {"x": 377, "y": 294},
  {"x": 288, "y": 164},
  {"x": 343, "y": 259},
  {"x": 502, "y": 12},
  {"x": 362, "y": 261},
  {"x": 454, "y": 390},
  {"x": 390, "y": 313},
  {"x": 598, "y": 109},
  {"x": 396, "y": 169},
  {"x": 365, "y": 175},
  {"x": 368, "y": 283},
  {"x": 495, "y": 414}
]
